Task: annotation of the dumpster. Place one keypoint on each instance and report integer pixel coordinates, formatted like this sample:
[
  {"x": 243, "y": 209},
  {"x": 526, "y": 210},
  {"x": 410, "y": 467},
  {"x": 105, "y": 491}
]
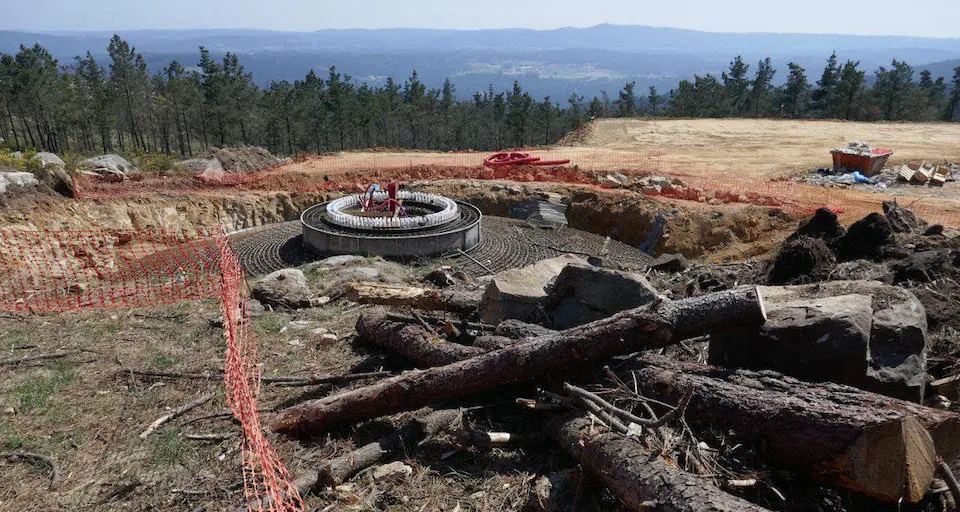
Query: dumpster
[{"x": 867, "y": 160}]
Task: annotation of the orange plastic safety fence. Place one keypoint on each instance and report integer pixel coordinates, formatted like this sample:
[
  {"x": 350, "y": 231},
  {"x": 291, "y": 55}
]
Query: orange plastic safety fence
[
  {"x": 349, "y": 172},
  {"x": 101, "y": 269}
]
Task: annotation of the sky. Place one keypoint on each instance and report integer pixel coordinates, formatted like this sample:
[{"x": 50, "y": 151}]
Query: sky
[{"x": 932, "y": 18}]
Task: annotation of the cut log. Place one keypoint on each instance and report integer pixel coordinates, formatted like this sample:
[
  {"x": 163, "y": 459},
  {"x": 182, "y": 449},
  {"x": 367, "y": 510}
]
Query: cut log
[
  {"x": 450, "y": 299},
  {"x": 641, "y": 480},
  {"x": 876, "y": 445},
  {"x": 405, "y": 439},
  {"x": 411, "y": 341},
  {"x": 639, "y": 329}
]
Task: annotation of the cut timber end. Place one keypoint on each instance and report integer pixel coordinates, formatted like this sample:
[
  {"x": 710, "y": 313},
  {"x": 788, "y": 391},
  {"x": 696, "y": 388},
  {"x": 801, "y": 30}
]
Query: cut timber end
[{"x": 867, "y": 464}]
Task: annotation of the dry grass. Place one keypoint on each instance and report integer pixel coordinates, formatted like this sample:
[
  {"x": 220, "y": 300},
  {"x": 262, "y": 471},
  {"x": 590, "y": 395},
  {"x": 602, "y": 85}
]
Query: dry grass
[{"x": 87, "y": 413}]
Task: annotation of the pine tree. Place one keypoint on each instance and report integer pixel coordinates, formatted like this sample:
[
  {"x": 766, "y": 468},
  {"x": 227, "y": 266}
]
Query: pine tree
[
  {"x": 518, "y": 113},
  {"x": 653, "y": 101},
  {"x": 952, "y": 112},
  {"x": 846, "y": 97},
  {"x": 761, "y": 87},
  {"x": 735, "y": 87},
  {"x": 893, "y": 89},
  {"x": 824, "y": 92},
  {"x": 627, "y": 103},
  {"x": 795, "y": 90},
  {"x": 128, "y": 81}
]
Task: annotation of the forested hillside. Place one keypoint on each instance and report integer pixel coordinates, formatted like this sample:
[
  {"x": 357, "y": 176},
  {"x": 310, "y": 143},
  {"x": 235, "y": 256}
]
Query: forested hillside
[{"x": 116, "y": 105}]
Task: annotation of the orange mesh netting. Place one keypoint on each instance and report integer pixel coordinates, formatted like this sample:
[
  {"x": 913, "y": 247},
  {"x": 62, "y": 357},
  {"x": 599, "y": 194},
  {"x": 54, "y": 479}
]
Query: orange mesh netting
[{"x": 100, "y": 269}]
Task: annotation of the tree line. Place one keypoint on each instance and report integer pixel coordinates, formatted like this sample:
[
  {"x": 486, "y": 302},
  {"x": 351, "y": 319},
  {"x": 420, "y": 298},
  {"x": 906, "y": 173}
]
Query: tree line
[
  {"x": 118, "y": 106},
  {"x": 842, "y": 92},
  {"x": 90, "y": 106}
]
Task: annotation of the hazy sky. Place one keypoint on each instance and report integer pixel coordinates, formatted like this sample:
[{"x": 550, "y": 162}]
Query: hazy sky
[{"x": 935, "y": 18}]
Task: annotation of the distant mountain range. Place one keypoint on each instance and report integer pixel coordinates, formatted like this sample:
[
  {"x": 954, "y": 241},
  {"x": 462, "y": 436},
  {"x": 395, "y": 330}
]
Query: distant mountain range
[{"x": 546, "y": 62}]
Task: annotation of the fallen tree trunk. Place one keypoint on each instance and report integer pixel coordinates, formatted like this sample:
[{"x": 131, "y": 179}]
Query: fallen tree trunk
[
  {"x": 639, "y": 479},
  {"x": 450, "y": 299},
  {"x": 876, "y": 445},
  {"x": 639, "y": 329},
  {"x": 411, "y": 340}
]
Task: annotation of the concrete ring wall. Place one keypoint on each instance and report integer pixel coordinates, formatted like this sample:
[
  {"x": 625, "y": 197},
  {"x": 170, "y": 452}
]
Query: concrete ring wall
[{"x": 410, "y": 244}]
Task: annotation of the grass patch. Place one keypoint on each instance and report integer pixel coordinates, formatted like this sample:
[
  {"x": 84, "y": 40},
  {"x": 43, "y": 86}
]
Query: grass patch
[
  {"x": 34, "y": 394},
  {"x": 164, "y": 362},
  {"x": 168, "y": 448},
  {"x": 270, "y": 323},
  {"x": 10, "y": 439}
]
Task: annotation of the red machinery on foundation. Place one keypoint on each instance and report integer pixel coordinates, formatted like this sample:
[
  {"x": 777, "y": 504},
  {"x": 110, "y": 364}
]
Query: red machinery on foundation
[
  {"x": 505, "y": 159},
  {"x": 369, "y": 203}
]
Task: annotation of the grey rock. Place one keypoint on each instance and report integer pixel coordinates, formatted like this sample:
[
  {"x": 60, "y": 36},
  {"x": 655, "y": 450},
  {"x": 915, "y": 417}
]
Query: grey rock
[
  {"x": 199, "y": 165},
  {"x": 898, "y": 351},
  {"x": 584, "y": 293},
  {"x": 255, "y": 308},
  {"x": 818, "y": 339},
  {"x": 337, "y": 261},
  {"x": 862, "y": 333},
  {"x": 361, "y": 274},
  {"x": 19, "y": 179},
  {"x": 522, "y": 293},
  {"x": 394, "y": 472},
  {"x": 49, "y": 160},
  {"x": 286, "y": 288},
  {"x": 109, "y": 164}
]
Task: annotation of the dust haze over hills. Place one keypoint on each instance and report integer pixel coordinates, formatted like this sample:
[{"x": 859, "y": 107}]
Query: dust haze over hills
[{"x": 546, "y": 62}]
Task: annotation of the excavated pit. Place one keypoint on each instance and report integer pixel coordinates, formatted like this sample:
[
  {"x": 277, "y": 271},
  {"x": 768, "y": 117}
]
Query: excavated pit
[{"x": 549, "y": 219}]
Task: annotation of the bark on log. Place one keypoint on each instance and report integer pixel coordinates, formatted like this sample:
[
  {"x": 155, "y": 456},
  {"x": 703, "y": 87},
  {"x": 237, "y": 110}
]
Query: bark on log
[
  {"x": 451, "y": 299},
  {"x": 411, "y": 341},
  {"x": 488, "y": 343},
  {"x": 857, "y": 439},
  {"x": 516, "y": 329},
  {"x": 640, "y": 480},
  {"x": 629, "y": 331}
]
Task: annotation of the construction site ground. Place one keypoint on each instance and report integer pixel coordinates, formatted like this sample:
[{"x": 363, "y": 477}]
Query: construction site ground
[{"x": 87, "y": 410}]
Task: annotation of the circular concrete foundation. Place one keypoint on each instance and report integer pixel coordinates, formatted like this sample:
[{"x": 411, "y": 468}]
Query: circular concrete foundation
[{"x": 324, "y": 236}]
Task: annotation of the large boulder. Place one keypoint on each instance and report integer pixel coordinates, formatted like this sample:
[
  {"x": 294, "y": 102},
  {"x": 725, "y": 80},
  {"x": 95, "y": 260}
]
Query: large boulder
[
  {"x": 286, "y": 289},
  {"x": 53, "y": 173},
  {"x": 584, "y": 293},
  {"x": 49, "y": 160},
  {"x": 240, "y": 159},
  {"x": 199, "y": 165},
  {"x": 522, "y": 293},
  {"x": 862, "y": 333},
  {"x": 109, "y": 164},
  {"x": 17, "y": 179}
]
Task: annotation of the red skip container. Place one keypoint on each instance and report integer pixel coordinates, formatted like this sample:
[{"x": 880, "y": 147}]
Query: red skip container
[{"x": 867, "y": 163}]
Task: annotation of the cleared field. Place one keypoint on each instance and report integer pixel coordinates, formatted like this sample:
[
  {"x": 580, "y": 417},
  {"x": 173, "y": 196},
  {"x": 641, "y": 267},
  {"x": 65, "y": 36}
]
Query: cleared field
[
  {"x": 765, "y": 147},
  {"x": 768, "y": 147}
]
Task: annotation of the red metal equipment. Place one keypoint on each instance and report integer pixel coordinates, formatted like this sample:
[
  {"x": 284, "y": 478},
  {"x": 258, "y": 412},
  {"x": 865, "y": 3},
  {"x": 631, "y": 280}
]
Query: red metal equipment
[
  {"x": 370, "y": 204},
  {"x": 867, "y": 163},
  {"x": 504, "y": 159}
]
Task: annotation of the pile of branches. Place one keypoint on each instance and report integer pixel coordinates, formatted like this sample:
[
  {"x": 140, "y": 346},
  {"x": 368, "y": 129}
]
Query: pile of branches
[{"x": 604, "y": 393}]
